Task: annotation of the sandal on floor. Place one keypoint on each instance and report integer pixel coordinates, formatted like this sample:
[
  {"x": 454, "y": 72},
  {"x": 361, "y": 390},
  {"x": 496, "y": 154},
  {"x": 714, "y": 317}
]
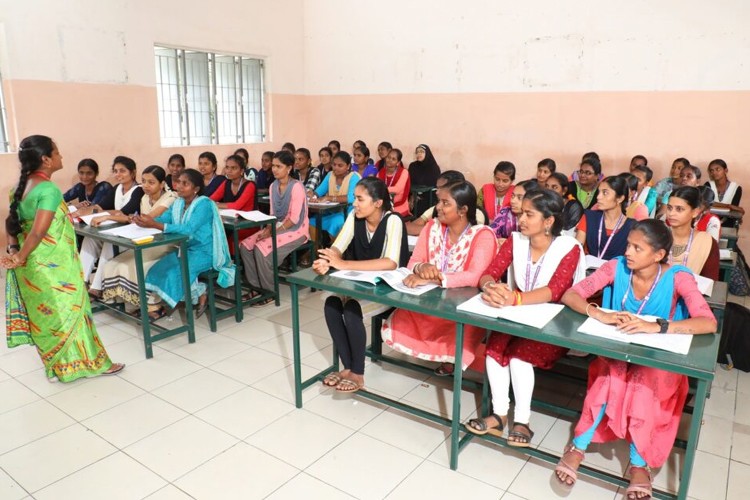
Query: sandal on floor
[
  {"x": 160, "y": 313},
  {"x": 479, "y": 426},
  {"x": 249, "y": 295},
  {"x": 201, "y": 308},
  {"x": 350, "y": 386},
  {"x": 562, "y": 466},
  {"x": 332, "y": 379},
  {"x": 522, "y": 440},
  {"x": 263, "y": 302},
  {"x": 444, "y": 370},
  {"x": 114, "y": 369},
  {"x": 636, "y": 488}
]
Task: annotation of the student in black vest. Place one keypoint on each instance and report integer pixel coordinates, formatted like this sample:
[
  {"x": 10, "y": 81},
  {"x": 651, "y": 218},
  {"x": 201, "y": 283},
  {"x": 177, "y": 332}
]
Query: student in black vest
[{"x": 373, "y": 238}]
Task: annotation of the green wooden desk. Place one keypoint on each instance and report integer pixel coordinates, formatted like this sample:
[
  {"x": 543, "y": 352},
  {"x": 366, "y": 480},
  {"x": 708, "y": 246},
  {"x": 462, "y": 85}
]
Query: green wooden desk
[
  {"x": 235, "y": 225},
  {"x": 731, "y": 215},
  {"x": 698, "y": 364},
  {"x": 160, "y": 239},
  {"x": 731, "y": 234},
  {"x": 318, "y": 211}
]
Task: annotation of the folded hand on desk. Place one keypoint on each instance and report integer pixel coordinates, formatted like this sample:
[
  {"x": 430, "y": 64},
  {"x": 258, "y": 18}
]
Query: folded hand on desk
[
  {"x": 630, "y": 323},
  {"x": 498, "y": 295}
]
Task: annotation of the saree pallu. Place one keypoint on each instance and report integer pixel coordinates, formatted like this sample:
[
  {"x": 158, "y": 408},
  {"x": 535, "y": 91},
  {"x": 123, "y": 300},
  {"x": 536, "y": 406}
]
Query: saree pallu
[{"x": 47, "y": 304}]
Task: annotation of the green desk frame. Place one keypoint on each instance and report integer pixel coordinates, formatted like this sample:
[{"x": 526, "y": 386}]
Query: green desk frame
[
  {"x": 159, "y": 240},
  {"x": 562, "y": 330},
  {"x": 319, "y": 211}
]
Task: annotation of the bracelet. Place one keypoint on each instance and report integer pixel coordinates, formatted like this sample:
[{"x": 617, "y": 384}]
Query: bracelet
[
  {"x": 518, "y": 299},
  {"x": 589, "y": 305},
  {"x": 416, "y": 267},
  {"x": 483, "y": 287},
  {"x": 12, "y": 247}
]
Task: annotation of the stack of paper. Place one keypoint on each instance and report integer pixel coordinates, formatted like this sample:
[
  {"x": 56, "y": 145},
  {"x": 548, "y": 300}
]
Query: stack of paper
[
  {"x": 88, "y": 218},
  {"x": 255, "y": 215},
  {"x": 316, "y": 203},
  {"x": 705, "y": 285},
  {"x": 394, "y": 278},
  {"x": 132, "y": 231},
  {"x": 672, "y": 342},
  {"x": 593, "y": 262},
  {"x": 725, "y": 254},
  {"x": 536, "y": 315}
]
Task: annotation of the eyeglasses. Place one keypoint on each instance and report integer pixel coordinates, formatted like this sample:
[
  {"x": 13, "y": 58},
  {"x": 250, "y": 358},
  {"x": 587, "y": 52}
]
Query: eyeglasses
[{"x": 586, "y": 172}]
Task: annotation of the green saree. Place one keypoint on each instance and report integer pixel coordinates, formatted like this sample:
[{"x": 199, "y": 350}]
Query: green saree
[{"x": 46, "y": 301}]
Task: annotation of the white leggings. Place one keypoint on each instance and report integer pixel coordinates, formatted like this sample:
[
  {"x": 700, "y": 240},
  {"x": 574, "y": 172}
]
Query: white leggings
[
  {"x": 91, "y": 250},
  {"x": 500, "y": 376}
]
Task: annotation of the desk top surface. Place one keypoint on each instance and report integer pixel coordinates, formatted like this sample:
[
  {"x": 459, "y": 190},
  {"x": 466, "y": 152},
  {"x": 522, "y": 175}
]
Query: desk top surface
[
  {"x": 241, "y": 223},
  {"x": 159, "y": 239},
  {"x": 562, "y": 330}
]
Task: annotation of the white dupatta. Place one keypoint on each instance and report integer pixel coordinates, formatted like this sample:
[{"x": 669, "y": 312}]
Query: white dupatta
[
  {"x": 728, "y": 194},
  {"x": 550, "y": 261}
]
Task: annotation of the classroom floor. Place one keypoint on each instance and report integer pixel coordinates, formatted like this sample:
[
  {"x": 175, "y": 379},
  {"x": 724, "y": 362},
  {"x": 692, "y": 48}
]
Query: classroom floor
[{"x": 216, "y": 420}]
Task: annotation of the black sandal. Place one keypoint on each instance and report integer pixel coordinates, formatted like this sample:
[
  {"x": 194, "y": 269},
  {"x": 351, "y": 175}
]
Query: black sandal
[
  {"x": 521, "y": 440},
  {"x": 201, "y": 307},
  {"x": 443, "y": 371},
  {"x": 479, "y": 426},
  {"x": 263, "y": 302}
]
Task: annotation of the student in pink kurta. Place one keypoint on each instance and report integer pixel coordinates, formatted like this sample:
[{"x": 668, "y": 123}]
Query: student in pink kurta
[
  {"x": 453, "y": 252},
  {"x": 640, "y": 404},
  {"x": 289, "y": 205}
]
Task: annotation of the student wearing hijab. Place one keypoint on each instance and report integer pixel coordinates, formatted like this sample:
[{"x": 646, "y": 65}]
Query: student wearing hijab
[{"x": 423, "y": 172}]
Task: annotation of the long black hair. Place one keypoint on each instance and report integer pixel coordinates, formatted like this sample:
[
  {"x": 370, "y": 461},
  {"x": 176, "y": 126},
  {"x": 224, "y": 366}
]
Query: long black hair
[
  {"x": 30, "y": 153},
  {"x": 195, "y": 178},
  {"x": 465, "y": 195},
  {"x": 550, "y": 204},
  {"x": 377, "y": 190},
  {"x": 620, "y": 187}
]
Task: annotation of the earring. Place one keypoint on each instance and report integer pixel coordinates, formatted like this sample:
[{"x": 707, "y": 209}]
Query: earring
[{"x": 546, "y": 231}]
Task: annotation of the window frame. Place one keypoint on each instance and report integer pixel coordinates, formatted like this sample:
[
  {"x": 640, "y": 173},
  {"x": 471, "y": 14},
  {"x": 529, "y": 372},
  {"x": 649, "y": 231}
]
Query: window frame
[{"x": 4, "y": 138}]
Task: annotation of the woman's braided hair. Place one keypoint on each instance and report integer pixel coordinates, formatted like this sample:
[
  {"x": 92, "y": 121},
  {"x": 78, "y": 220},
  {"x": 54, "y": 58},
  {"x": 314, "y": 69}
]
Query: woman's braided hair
[{"x": 30, "y": 153}]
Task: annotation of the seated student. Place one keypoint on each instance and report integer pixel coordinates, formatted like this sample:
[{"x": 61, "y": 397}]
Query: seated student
[
  {"x": 506, "y": 221},
  {"x": 645, "y": 193},
  {"x": 541, "y": 266},
  {"x": 236, "y": 193},
  {"x": 636, "y": 209},
  {"x": 361, "y": 144},
  {"x": 325, "y": 155},
  {"x": 637, "y": 161},
  {"x": 727, "y": 194},
  {"x": 544, "y": 169},
  {"x": 127, "y": 201},
  {"x": 423, "y": 171},
  {"x": 362, "y": 163},
  {"x": 265, "y": 176},
  {"x": 207, "y": 166},
  {"x": 414, "y": 227},
  {"x": 665, "y": 186},
  {"x": 250, "y": 173},
  {"x": 88, "y": 192},
  {"x": 625, "y": 401},
  {"x": 452, "y": 252},
  {"x": 175, "y": 166},
  {"x": 335, "y": 147},
  {"x": 372, "y": 239},
  {"x": 707, "y": 221},
  {"x": 573, "y": 210},
  {"x": 119, "y": 278},
  {"x": 289, "y": 205},
  {"x": 197, "y": 216},
  {"x": 588, "y": 180},
  {"x": 575, "y": 177},
  {"x": 309, "y": 175},
  {"x": 496, "y": 195},
  {"x": 397, "y": 179},
  {"x": 690, "y": 175},
  {"x": 288, "y": 146},
  {"x": 337, "y": 186},
  {"x": 693, "y": 248},
  {"x": 383, "y": 149},
  {"x": 604, "y": 232}
]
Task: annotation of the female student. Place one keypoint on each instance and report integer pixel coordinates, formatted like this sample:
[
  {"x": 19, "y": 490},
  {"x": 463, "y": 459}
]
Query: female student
[
  {"x": 306, "y": 173},
  {"x": 636, "y": 209},
  {"x": 265, "y": 177},
  {"x": 424, "y": 171},
  {"x": 373, "y": 238},
  {"x": 196, "y": 216},
  {"x": 363, "y": 164},
  {"x": 207, "y": 166},
  {"x": 495, "y": 196},
  {"x": 573, "y": 210},
  {"x": 45, "y": 295},
  {"x": 707, "y": 221},
  {"x": 325, "y": 155},
  {"x": 289, "y": 206},
  {"x": 397, "y": 179},
  {"x": 692, "y": 248},
  {"x": 88, "y": 192},
  {"x": 588, "y": 179},
  {"x": 337, "y": 186},
  {"x": 127, "y": 201},
  {"x": 249, "y": 173},
  {"x": 506, "y": 221},
  {"x": 624, "y": 401},
  {"x": 383, "y": 149},
  {"x": 645, "y": 193},
  {"x": 236, "y": 193},
  {"x": 175, "y": 166},
  {"x": 727, "y": 194},
  {"x": 544, "y": 169},
  {"x": 335, "y": 147},
  {"x": 452, "y": 251},
  {"x": 119, "y": 280},
  {"x": 605, "y": 231},
  {"x": 666, "y": 185},
  {"x": 690, "y": 175},
  {"x": 542, "y": 265}
]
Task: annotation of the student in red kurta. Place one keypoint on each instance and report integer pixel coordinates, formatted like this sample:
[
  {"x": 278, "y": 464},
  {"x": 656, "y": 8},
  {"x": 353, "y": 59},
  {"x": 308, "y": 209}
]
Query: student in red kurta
[
  {"x": 496, "y": 196},
  {"x": 236, "y": 193},
  {"x": 397, "y": 179}
]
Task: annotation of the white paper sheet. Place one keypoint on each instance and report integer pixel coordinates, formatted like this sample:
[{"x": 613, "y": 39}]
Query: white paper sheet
[
  {"x": 705, "y": 285},
  {"x": 396, "y": 277},
  {"x": 254, "y": 215},
  {"x": 72, "y": 209},
  {"x": 132, "y": 231},
  {"x": 593, "y": 262},
  {"x": 725, "y": 254},
  {"x": 372, "y": 277},
  {"x": 536, "y": 315},
  {"x": 88, "y": 218},
  {"x": 412, "y": 241},
  {"x": 321, "y": 203},
  {"x": 672, "y": 342}
]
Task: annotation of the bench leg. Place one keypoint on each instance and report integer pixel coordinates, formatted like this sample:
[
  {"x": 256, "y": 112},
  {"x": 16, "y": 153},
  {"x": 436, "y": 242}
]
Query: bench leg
[{"x": 211, "y": 305}]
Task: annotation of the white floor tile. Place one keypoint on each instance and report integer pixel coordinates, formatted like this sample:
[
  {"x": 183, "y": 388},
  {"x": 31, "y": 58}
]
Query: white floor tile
[
  {"x": 9, "y": 489},
  {"x": 254, "y": 331},
  {"x": 54, "y": 457},
  {"x": 14, "y": 394},
  {"x": 100, "y": 394},
  {"x": 321, "y": 359},
  {"x": 121, "y": 477},
  {"x": 251, "y": 365},
  {"x": 133, "y": 420},
  {"x": 4, "y": 376},
  {"x": 372, "y": 459},
  {"x": 181, "y": 447},
  {"x": 282, "y": 345},
  {"x": 716, "y": 436},
  {"x": 725, "y": 379},
  {"x": 738, "y": 480},
  {"x": 431, "y": 480},
  {"x": 169, "y": 492},
  {"x": 742, "y": 411},
  {"x": 281, "y": 384},
  {"x": 305, "y": 486},
  {"x": 709, "y": 478},
  {"x": 667, "y": 478},
  {"x": 240, "y": 472},
  {"x": 283, "y": 316},
  {"x": 317, "y": 327},
  {"x": 210, "y": 350},
  {"x": 110, "y": 335},
  {"x": 437, "y": 396},
  {"x": 29, "y": 423},
  {"x": 345, "y": 409},
  {"x": 743, "y": 382},
  {"x": 131, "y": 351},
  {"x": 300, "y": 437},
  {"x": 37, "y": 381},
  {"x": 537, "y": 481},
  {"x": 511, "y": 496},
  {"x": 391, "y": 380},
  {"x": 740, "y": 443},
  {"x": 20, "y": 360},
  {"x": 410, "y": 433},
  {"x": 198, "y": 390},
  {"x": 159, "y": 370},
  {"x": 721, "y": 403}
]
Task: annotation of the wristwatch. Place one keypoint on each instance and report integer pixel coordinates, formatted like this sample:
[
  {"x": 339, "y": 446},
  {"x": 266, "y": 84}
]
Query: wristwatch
[{"x": 663, "y": 325}]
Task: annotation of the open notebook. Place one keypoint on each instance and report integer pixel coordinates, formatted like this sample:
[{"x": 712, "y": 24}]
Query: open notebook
[
  {"x": 536, "y": 315},
  {"x": 88, "y": 218},
  {"x": 394, "y": 278},
  {"x": 254, "y": 215}
]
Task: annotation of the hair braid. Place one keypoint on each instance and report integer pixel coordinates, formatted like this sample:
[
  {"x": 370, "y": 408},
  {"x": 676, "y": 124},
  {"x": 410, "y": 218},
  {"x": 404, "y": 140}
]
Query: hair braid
[{"x": 30, "y": 154}]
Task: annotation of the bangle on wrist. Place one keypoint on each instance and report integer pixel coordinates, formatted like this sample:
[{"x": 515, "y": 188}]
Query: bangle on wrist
[
  {"x": 518, "y": 298},
  {"x": 596, "y": 306},
  {"x": 12, "y": 247}
]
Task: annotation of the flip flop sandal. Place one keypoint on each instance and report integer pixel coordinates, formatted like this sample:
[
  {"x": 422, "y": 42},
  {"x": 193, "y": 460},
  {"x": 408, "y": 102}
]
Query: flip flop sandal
[
  {"x": 114, "y": 369},
  {"x": 443, "y": 370},
  {"x": 521, "y": 440},
  {"x": 479, "y": 426},
  {"x": 263, "y": 302},
  {"x": 636, "y": 488},
  {"x": 160, "y": 313},
  {"x": 566, "y": 469},
  {"x": 350, "y": 386},
  {"x": 201, "y": 310},
  {"x": 249, "y": 295},
  {"x": 332, "y": 379}
]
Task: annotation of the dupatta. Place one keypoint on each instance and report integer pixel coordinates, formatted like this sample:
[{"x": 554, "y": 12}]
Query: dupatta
[{"x": 546, "y": 265}]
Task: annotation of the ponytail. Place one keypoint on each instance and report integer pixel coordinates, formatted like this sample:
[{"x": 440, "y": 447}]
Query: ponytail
[{"x": 30, "y": 153}]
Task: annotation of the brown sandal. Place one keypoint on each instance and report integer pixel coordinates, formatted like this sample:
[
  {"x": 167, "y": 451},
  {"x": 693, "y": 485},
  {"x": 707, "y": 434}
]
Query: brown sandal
[
  {"x": 479, "y": 426},
  {"x": 350, "y": 386},
  {"x": 114, "y": 369},
  {"x": 332, "y": 379}
]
